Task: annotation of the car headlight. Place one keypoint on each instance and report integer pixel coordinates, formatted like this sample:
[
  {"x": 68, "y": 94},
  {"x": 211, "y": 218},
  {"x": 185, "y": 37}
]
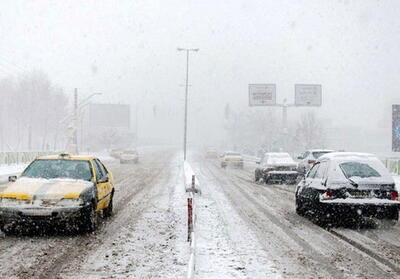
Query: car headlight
[
  {"x": 70, "y": 202},
  {"x": 12, "y": 202}
]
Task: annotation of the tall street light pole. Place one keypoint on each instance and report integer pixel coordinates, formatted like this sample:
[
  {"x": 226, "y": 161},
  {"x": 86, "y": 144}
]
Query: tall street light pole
[
  {"x": 188, "y": 50},
  {"x": 76, "y": 118}
]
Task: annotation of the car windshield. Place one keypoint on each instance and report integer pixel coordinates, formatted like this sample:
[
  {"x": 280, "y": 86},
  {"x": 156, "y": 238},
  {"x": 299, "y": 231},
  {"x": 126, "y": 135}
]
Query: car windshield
[
  {"x": 358, "y": 169},
  {"x": 49, "y": 169},
  {"x": 232, "y": 154},
  {"x": 280, "y": 155},
  {"x": 318, "y": 154}
]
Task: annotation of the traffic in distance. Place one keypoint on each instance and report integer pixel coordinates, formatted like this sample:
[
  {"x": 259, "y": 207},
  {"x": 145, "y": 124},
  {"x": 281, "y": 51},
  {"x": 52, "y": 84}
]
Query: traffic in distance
[{"x": 332, "y": 187}]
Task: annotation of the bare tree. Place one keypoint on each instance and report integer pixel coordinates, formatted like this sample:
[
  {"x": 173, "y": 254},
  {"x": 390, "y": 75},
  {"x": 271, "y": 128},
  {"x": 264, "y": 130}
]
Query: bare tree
[{"x": 309, "y": 132}]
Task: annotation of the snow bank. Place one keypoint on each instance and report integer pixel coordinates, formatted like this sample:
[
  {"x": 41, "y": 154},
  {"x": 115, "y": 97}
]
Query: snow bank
[{"x": 188, "y": 173}]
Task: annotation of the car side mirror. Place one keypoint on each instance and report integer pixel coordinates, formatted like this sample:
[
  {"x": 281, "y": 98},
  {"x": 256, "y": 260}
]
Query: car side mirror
[{"x": 12, "y": 178}]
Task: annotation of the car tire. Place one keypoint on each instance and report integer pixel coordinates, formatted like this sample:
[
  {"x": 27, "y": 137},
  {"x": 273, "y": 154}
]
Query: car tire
[
  {"x": 393, "y": 214},
  {"x": 8, "y": 229},
  {"x": 107, "y": 212},
  {"x": 300, "y": 210},
  {"x": 90, "y": 219},
  {"x": 256, "y": 176}
]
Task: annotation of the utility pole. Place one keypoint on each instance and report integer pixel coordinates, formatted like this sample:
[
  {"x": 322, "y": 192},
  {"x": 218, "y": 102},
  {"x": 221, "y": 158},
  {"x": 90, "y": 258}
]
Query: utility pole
[
  {"x": 75, "y": 133},
  {"x": 186, "y": 97}
]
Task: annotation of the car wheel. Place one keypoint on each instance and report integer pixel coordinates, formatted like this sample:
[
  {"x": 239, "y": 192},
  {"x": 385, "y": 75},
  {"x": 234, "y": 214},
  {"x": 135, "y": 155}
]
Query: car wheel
[
  {"x": 393, "y": 214},
  {"x": 8, "y": 229},
  {"x": 90, "y": 219},
  {"x": 300, "y": 210},
  {"x": 256, "y": 177},
  {"x": 108, "y": 211}
]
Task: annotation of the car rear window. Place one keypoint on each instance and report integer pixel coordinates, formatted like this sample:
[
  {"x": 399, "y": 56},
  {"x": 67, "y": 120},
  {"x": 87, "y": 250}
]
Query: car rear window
[
  {"x": 61, "y": 168},
  {"x": 130, "y": 152},
  {"x": 318, "y": 154},
  {"x": 358, "y": 169},
  {"x": 233, "y": 154}
]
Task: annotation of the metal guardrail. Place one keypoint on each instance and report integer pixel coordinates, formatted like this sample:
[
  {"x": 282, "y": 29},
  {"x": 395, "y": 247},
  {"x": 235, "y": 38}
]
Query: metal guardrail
[
  {"x": 192, "y": 187},
  {"x": 9, "y": 158}
]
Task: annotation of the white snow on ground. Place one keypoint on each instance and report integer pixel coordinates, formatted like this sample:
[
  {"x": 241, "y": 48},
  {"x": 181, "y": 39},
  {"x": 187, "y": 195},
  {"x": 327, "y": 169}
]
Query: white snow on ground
[
  {"x": 152, "y": 243},
  {"x": 226, "y": 247}
]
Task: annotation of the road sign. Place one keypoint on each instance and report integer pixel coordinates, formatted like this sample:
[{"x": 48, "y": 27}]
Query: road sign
[
  {"x": 308, "y": 95},
  {"x": 262, "y": 94},
  {"x": 396, "y": 128}
]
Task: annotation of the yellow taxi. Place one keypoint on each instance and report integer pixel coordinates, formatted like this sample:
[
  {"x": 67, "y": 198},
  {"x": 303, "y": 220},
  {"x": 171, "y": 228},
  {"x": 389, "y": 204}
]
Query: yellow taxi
[
  {"x": 116, "y": 153},
  {"x": 58, "y": 188},
  {"x": 232, "y": 158},
  {"x": 129, "y": 156}
]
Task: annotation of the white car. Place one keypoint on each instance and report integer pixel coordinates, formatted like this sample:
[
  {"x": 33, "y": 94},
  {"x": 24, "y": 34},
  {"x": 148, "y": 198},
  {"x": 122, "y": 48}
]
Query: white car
[
  {"x": 308, "y": 158},
  {"x": 277, "y": 167},
  {"x": 232, "y": 158},
  {"x": 344, "y": 186}
]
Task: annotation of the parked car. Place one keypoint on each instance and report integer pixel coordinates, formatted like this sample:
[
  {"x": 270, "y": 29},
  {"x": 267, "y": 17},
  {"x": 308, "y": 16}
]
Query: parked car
[
  {"x": 277, "y": 167},
  {"x": 347, "y": 185},
  {"x": 58, "y": 189},
  {"x": 232, "y": 158},
  {"x": 309, "y": 157},
  {"x": 129, "y": 157}
]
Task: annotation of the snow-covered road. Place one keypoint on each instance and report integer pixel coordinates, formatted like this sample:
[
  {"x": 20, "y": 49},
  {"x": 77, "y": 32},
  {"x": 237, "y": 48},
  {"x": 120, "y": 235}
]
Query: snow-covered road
[{"x": 244, "y": 230}]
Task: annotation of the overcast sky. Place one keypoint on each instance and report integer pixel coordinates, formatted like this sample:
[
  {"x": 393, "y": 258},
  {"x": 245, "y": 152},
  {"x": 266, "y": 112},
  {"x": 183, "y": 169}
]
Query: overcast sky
[{"x": 127, "y": 50}]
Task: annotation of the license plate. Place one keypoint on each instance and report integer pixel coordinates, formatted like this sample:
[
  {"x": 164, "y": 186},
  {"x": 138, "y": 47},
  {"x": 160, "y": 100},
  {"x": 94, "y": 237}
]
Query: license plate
[
  {"x": 360, "y": 194},
  {"x": 37, "y": 212}
]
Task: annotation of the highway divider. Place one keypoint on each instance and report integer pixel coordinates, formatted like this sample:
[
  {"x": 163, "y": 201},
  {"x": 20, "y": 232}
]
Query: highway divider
[{"x": 192, "y": 187}]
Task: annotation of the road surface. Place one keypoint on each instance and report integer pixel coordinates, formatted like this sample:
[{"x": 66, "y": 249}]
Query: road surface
[{"x": 243, "y": 230}]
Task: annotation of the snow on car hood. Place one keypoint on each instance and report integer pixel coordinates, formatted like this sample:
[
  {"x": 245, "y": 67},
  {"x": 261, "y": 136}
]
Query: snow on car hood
[{"x": 38, "y": 188}]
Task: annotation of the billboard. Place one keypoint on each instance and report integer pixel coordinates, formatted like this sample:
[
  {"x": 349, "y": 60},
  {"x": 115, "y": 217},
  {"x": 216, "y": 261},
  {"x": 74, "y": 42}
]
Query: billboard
[
  {"x": 396, "y": 128},
  {"x": 109, "y": 115},
  {"x": 308, "y": 95},
  {"x": 262, "y": 94}
]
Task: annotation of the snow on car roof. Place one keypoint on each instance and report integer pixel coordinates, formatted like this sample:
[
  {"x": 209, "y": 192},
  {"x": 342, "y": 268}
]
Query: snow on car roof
[
  {"x": 277, "y": 154},
  {"x": 347, "y": 155},
  {"x": 321, "y": 150}
]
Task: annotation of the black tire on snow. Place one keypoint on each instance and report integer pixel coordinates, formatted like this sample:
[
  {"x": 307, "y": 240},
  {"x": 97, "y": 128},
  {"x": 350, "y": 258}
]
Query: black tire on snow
[
  {"x": 300, "y": 207},
  {"x": 393, "y": 214},
  {"x": 90, "y": 219},
  {"x": 107, "y": 212},
  {"x": 256, "y": 177}
]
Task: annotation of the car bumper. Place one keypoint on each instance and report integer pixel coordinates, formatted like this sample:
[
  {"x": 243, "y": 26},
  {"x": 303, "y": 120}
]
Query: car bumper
[
  {"x": 129, "y": 160},
  {"x": 281, "y": 175},
  {"x": 233, "y": 163},
  {"x": 367, "y": 208},
  {"x": 40, "y": 214}
]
